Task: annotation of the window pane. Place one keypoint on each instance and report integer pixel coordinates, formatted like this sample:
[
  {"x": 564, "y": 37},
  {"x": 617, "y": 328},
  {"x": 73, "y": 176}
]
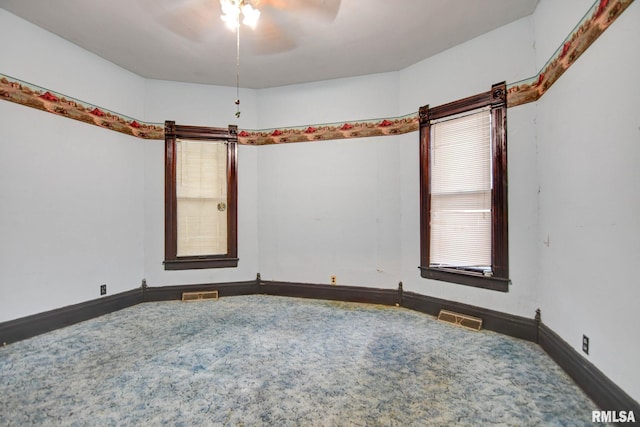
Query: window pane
[
  {"x": 461, "y": 230},
  {"x": 201, "y": 193},
  {"x": 461, "y": 154},
  {"x": 460, "y": 217},
  {"x": 202, "y": 228}
]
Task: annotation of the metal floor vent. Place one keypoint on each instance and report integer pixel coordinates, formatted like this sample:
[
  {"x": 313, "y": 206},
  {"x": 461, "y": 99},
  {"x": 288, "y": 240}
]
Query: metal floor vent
[
  {"x": 199, "y": 295},
  {"x": 458, "y": 319}
]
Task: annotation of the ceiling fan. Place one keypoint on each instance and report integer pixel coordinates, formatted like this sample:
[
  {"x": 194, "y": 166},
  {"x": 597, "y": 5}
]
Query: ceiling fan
[
  {"x": 278, "y": 29},
  {"x": 275, "y": 23}
]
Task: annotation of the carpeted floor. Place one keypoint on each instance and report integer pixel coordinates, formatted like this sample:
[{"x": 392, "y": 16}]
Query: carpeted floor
[{"x": 263, "y": 360}]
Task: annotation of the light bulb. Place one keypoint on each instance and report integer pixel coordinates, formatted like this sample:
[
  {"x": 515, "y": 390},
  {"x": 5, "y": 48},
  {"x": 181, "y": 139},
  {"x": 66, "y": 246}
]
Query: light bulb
[
  {"x": 230, "y": 14},
  {"x": 251, "y": 15}
]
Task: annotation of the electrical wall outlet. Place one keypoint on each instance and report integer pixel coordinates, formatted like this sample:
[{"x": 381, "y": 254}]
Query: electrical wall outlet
[
  {"x": 333, "y": 280},
  {"x": 585, "y": 344},
  {"x": 103, "y": 289}
]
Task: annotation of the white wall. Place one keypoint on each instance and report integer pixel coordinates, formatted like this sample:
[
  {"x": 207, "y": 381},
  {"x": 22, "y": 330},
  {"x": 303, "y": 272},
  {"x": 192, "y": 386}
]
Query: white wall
[
  {"x": 36, "y": 56},
  {"x": 330, "y": 101},
  {"x": 72, "y": 211},
  {"x": 351, "y": 208},
  {"x": 553, "y": 22},
  {"x": 329, "y": 208},
  {"x": 505, "y": 54},
  {"x": 588, "y": 156}
]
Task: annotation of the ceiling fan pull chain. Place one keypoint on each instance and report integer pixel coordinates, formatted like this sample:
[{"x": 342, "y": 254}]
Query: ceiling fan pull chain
[{"x": 237, "y": 71}]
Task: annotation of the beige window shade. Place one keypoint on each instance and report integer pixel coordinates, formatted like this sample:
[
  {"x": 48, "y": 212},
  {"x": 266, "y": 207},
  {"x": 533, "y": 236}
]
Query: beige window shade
[
  {"x": 460, "y": 170},
  {"x": 201, "y": 192}
]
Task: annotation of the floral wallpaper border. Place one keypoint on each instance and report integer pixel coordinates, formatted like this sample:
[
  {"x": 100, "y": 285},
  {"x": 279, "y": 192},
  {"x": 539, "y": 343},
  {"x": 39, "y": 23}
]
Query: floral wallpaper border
[
  {"x": 593, "y": 24},
  {"x": 599, "y": 17},
  {"x": 344, "y": 130},
  {"x": 34, "y": 96}
]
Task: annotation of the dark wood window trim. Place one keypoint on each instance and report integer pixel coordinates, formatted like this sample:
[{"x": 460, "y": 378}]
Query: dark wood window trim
[
  {"x": 230, "y": 136},
  {"x": 496, "y": 100}
]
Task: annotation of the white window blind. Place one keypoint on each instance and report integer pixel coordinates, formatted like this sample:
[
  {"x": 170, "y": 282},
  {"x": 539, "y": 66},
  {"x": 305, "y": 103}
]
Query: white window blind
[
  {"x": 461, "y": 185},
  {"x": 201, "y": 191}
]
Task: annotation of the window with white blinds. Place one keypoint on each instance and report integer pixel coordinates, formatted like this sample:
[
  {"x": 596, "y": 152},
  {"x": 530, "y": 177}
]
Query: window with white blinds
[
  {"x": 461, "y": 183},
  {"x": 464, "y": 227},
  {"x": 201, "y": 196}
]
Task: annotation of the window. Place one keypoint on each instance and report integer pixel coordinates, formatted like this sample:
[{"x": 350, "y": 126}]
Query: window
[
  {"x": 463, "y": 191},
  {"x": 200, "y": 197}
]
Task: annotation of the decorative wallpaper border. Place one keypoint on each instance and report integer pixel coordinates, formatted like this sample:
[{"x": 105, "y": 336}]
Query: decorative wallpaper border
[
  {"x": 34, "y": 96},
  {"x": 599, "y": 17},
  {"x": 324, "y": 132},
  {"x": 593, "y": 24}
]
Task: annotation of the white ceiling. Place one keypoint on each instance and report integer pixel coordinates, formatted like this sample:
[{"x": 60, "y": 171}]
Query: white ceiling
[{"x": 184, "y": 40}]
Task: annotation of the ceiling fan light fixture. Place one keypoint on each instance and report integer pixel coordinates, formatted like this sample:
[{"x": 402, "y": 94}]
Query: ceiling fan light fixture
[
  {"x": 232, "y": 9},
  {"x": 230, "y": 14},
  {"x": 251, "y": 15}
]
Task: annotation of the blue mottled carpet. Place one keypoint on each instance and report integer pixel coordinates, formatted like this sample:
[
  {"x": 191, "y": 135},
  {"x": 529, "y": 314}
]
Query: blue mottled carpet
[{"x": 264, "y": 360}]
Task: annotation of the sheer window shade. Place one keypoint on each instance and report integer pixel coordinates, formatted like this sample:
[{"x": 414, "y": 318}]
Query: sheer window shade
[
  {"x": 201, "y": 195},
  {"x": 461, "y": 184}
]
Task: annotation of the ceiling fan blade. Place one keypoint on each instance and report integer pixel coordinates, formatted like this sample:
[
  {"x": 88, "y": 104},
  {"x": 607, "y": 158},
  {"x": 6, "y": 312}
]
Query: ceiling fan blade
[
  {"x": 277, "y": 31},
  {"x": 191, "y": 19},
  {"x": 269, "y": 36},
  {"x": 326, "y": 9}
]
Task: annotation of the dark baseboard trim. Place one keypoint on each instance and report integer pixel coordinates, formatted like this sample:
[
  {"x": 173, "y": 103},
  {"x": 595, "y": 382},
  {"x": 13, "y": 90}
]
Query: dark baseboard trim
[
  {"x": 169, "y": 293},
  {"x": 26, "y": 327},
  {"x": 507, "y": 324},
  {"x": 604, "y": 392},
  {"x": 331, "y": 292},
  {"x": 30, "y": 326}
]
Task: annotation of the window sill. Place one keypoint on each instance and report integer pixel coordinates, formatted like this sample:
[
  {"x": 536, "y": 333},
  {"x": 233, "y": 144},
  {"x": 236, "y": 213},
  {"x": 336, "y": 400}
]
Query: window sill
[
  {"x": 466, "y": 278},
  {"x": 196, "y": 263}
]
